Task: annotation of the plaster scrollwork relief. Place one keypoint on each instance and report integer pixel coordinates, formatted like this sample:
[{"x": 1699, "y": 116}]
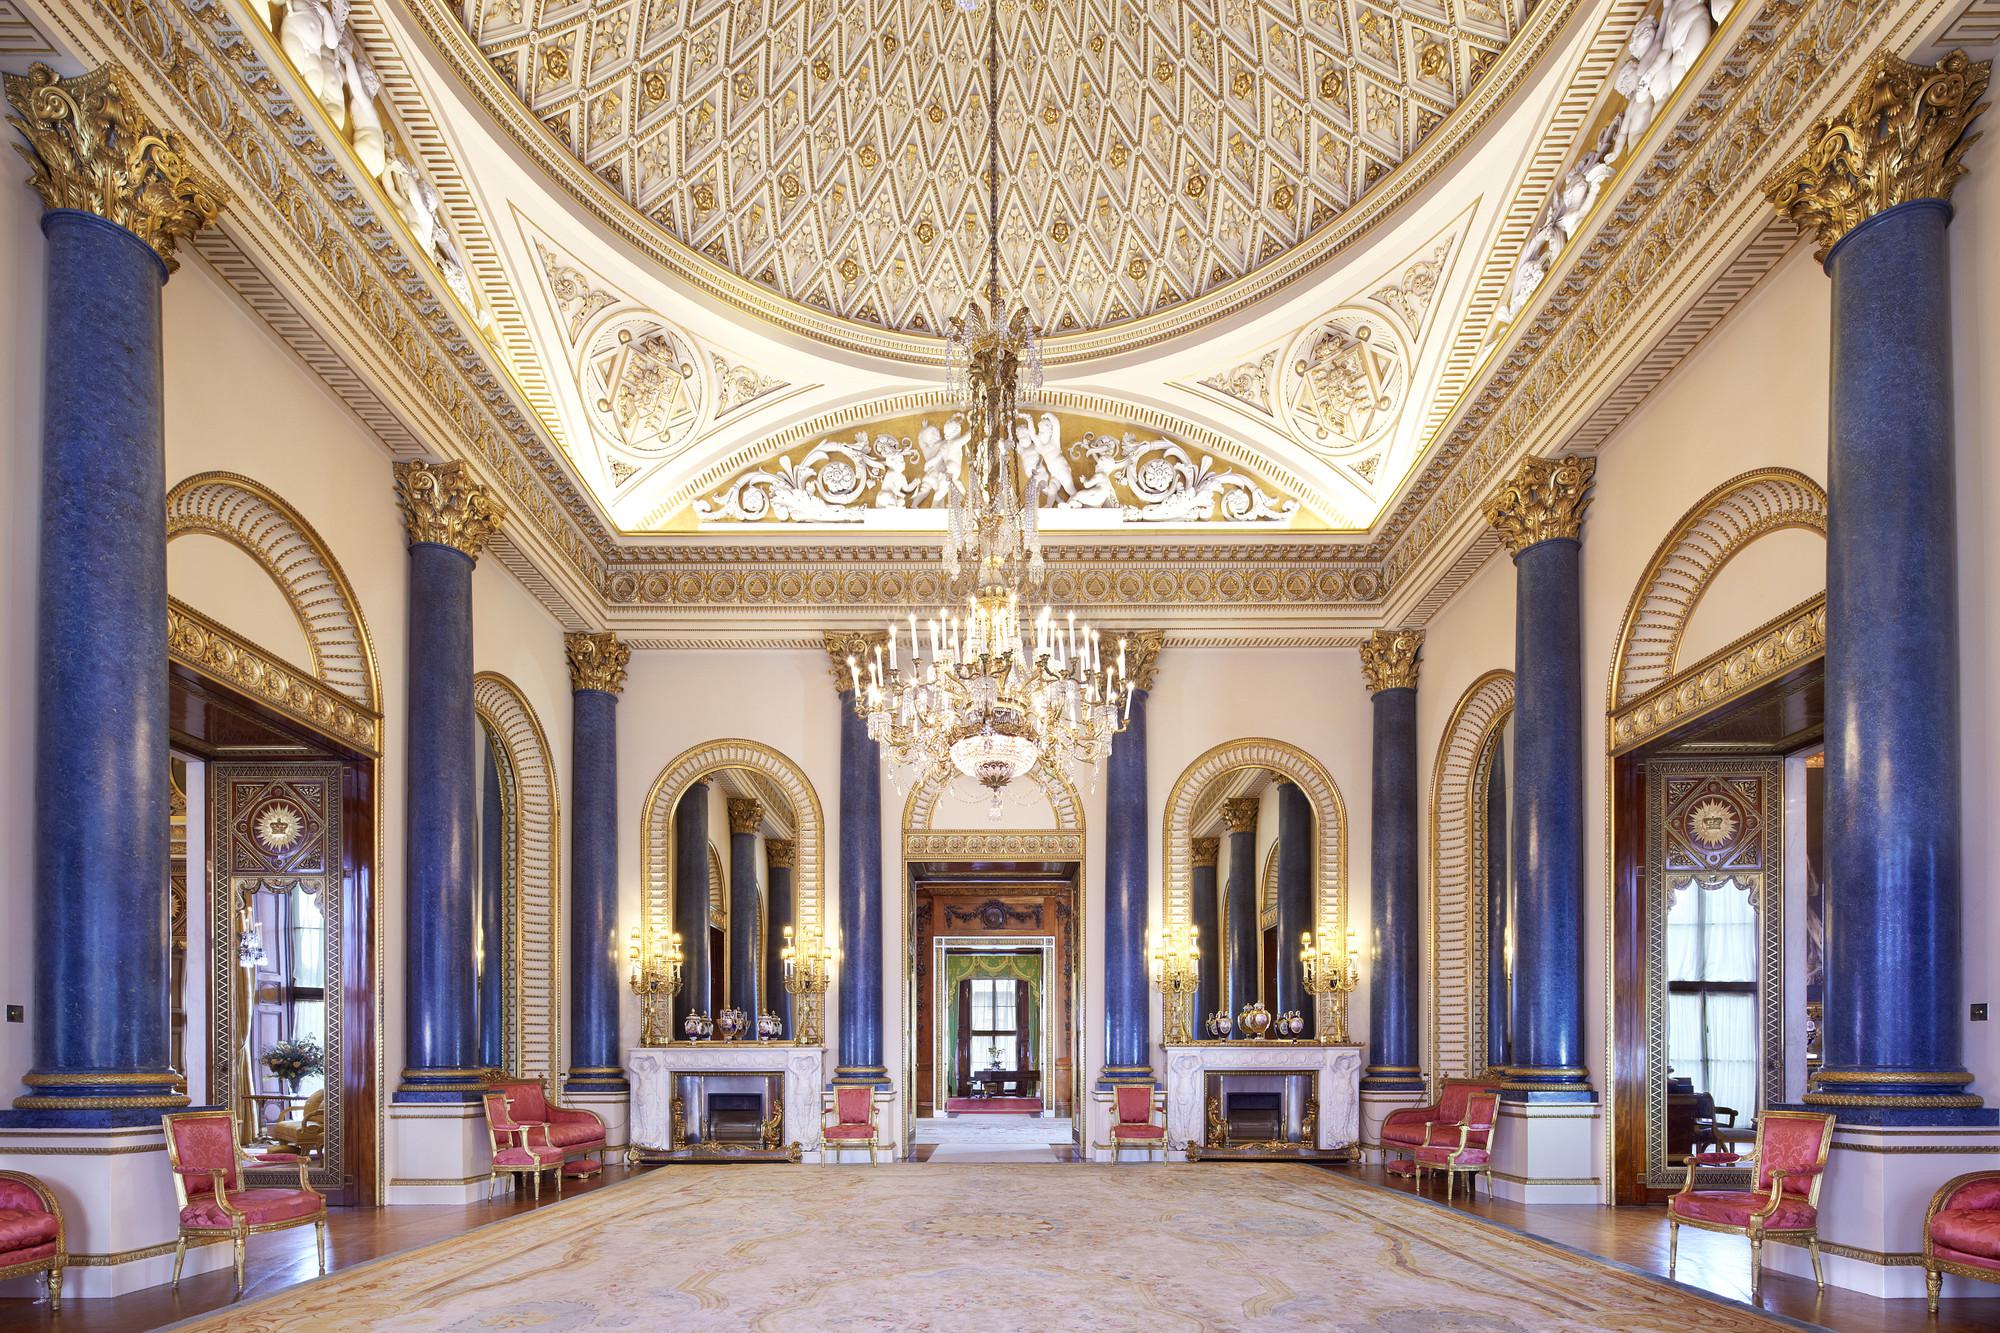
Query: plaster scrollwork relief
[{"x": 914, "y": 463}]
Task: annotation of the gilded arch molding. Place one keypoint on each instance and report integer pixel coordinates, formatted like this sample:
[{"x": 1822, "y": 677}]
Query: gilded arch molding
[
  {"x": 920, "y": 808},
  {"x": 1329, "y": 816},
  {"x": 1457, "y": 930},
  {"x": 1712, "y": 533},
  {"x": 656, "y": 832},
  {"x": 528, "y": 768}
]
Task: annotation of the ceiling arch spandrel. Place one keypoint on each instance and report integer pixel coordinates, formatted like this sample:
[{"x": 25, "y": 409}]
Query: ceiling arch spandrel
[{"x": 830, "y": 152}]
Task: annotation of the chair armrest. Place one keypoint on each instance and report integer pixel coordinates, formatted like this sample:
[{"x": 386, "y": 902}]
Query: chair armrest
[
  {"x": 1712, "y": 1160},
  {"x": 1422, "y": 1115},
  {"x": 1729, "y": 1111},
  {"x": 217, "y": 1182}
]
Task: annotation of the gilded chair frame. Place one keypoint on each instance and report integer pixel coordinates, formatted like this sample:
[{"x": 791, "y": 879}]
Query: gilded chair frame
[
  {"x": 827, "y": 1147},
  {"x": 1454, "y": 1169},
  {"x": 1156, "y": 1112},
  {"x": 1936, "y": 1269},
  {"x": 52, "y": 1267},
  {"x": 496, "y": 1168},
  {"x": 1756, "y": 1231},
  {"x": 240, "y": 1230}
]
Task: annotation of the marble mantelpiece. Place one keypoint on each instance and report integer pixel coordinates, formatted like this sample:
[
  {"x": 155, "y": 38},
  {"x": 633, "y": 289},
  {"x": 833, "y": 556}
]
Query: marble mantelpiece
[
  {"x": 652, "y": 1070},
  {"x": 1336, "y": 1071}
]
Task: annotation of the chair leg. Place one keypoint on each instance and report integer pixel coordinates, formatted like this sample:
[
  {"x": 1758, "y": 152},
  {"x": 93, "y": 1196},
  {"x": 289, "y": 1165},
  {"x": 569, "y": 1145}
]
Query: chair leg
[
  {"x": 180, "y": 1254},
  {"x": 319, "y": 1243},
  {"x": 1673, "y": 1246},
  {"x": 536, "y": 1176},
  {"x": 1818, "y": 1279},
  {"x": 1933, "y": 1288},
  {"x": 55, "y": 1289},
  {"x": 559, "y": 1176},
  {"x": 237, "y": 1243},
  {"x": 1756, "y": 1266}
]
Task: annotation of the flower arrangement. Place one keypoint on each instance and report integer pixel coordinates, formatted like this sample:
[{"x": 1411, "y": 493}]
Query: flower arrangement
[{"x": 295, "y": 1059}]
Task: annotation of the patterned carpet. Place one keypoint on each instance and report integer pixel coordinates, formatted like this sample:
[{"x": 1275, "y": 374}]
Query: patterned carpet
[{"x": 1000, "y": 1247}]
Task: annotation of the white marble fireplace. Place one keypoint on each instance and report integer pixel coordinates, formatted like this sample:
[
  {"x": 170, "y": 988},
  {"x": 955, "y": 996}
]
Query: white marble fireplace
[
  {"x": 653, "y": 1070},
  {"x": 1336, "y": 1072}
]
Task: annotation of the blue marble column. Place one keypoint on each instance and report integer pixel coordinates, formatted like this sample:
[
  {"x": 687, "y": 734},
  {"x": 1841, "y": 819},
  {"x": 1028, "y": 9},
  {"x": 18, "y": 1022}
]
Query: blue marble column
[
  {"x": 1205, "y": 916},
  {"x": 597, "y": 664},
  {"x": 449, "y": 518},
  {"x": 1539, "y": 515},
  {"x": 101, "y": 944},
  {"x": 779, "y": 854},
  {"x": 492, "y": 954},
  {"x": 1295, "y": 901},
  {"x": 697, "y": 993},
  {"x": 1499, "y": 911},
  {"x": 1893, "y": 986},
  {"x": 746, "y": 913},
  {"x": 1395, "y": 1041},
  {"x": 1240, "y": 902},
  {"x": 1128, "y": 1008},
  {"x": 860, "y": 1054}
]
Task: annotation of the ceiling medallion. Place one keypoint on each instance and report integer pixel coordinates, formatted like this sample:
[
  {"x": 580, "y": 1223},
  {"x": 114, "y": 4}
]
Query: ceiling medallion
[
  {"x": 979, "y": 697},
  {"x": 1346, "y": 380}
]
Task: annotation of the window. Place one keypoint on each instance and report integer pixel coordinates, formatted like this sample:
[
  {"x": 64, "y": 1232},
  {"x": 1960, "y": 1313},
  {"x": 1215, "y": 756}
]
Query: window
[
  {"x": 994, "y": 1042},
  {"x": 1712, "y": 992},
  {"x": 306, "y": 986}
]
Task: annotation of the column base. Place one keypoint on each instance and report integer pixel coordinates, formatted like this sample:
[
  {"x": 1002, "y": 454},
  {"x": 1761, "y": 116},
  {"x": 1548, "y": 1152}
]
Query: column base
[
  {"x": 1376, "y": 1104},
  {"x": 1560, "y": 1086},
  {"x": 596, "y": 1079},
  {"x": 1393, "y": 1078},
  {"x": 1879, "y": 1182},
  {"x": 441, "y": 1086},
  {"x": 120, "y": 1216},
  {"x": 101, "y": 1099},
  {"x": 1546, "y": 1152},
  {"x": 614, "y": 1108},
  {"x": 1898, "y": 1097},
  {"x": 438, "y": 1152},
  {"x": 851, "y": 1075},
  {"x": 1112, "y": 1076}
]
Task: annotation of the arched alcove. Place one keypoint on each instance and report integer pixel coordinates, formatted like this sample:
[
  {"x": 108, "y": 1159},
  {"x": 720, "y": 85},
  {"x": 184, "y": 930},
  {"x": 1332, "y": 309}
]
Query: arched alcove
[
  {"x": 1459, "y": 961},
  {"x": 528, "y": 769}
]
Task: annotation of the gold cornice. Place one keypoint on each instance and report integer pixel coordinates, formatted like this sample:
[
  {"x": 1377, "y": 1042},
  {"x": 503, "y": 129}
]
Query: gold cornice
[
  {"x": 1544, "y": 501},
  {"x": 842, "y": 644},
  {"x": 779, "y": 853},
  {"x": 92, "y": 147},
  {"x": 1206, "y": 852},
  {"x": 221, "y": 654},
  {"x": 1774, "y": 648},
  {"x": 1901, "y": 137},
  {"x": 1142, "y": 654},
  {"x": 1240, "y": 813},
  {"x": 443, "y": 505},
  {"x": 1389, "y": 660},
  {"x": 596, "y": 661},
  {"x": 746, "y": 814}
]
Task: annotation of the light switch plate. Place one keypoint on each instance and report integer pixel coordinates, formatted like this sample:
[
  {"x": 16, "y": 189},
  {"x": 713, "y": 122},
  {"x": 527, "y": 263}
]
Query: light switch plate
[{"x": 1979, "y": 1013}]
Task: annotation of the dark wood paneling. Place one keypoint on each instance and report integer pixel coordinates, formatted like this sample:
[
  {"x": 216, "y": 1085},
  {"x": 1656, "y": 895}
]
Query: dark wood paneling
[{"x": 1628, "y": 971}]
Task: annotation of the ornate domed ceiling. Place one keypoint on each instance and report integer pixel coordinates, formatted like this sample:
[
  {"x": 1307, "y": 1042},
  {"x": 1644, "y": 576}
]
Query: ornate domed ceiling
[{"x": 832, "y": 151}]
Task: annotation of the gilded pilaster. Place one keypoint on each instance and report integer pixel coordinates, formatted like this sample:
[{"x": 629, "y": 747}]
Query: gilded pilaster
[
  {"x": 1389, "y": 659},
  {"x": 442, "y": 505},
  {"x": 1901, "y": 137},
  {"x": 1544, "y": 501},
  {"x": 596, "y": 661},
  {"x": 92, "y": 148}
]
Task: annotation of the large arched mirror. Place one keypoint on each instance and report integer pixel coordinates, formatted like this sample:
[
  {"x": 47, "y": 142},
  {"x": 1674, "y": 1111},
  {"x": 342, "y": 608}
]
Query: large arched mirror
[
  {"x": 1494, "y": 818},
  {"x": 496, "y": 925}
]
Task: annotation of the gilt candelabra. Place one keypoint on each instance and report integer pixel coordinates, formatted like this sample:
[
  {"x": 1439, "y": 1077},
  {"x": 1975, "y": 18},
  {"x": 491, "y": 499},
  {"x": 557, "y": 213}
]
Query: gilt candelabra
[
  {"x": 808, "y": 965},
  {"x": 1330, "y": 977},
  {"x": 1176, "y": 972},
  {"x": 656, "y": 979}
]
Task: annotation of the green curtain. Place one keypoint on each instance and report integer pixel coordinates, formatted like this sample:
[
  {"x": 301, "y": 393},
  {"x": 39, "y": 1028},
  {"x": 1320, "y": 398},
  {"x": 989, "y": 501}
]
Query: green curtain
[{"x": 1025, "y": 968}]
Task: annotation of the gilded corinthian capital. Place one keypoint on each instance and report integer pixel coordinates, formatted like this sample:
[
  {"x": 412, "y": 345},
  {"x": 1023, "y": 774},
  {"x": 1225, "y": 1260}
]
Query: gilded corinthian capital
[
  {"x": 1902, "y": 136},
  {"x": 860, "y": 645},
  {"x": 779, "y": 853},
  {"x": 746, "y": 814},
  {"x": 1545, "y": 500},
  {"x": 443, "y": 505},
  {"x": 1389, "y": 659},
  {"x": 1206, "y": 850},
  {"x": 92, "y": 147},
  {"x": 596, "y": 661},
  {"x": 1239, "y": 813},
  {"x": 1142, "y": 654}
]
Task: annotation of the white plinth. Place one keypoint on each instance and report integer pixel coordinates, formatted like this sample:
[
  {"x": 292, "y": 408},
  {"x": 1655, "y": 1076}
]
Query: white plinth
[
  {"x": 120, "y": 1215},
  {"x": 1546, "y": 1152},
  {"x": 1376, "y": 1108},
  {"x": 613, "y": 1108},
  {"x": 1336, "y": 1074},
  {"x": 439, "y": 1152},
  {"x": 652, "y": 1070}
]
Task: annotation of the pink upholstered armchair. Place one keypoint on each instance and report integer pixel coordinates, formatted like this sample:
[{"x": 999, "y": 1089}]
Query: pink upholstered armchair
[
  {"x": 206, "y": 1161},
  {"x": 577, "y": 1132},
  {"x": 520, "y": 1147},
  {"x": 1788, "y": 1167},
  {"x": 31, "y": 1232},
  {"x": 1132, "y": 1123},
  {"x": 1961, "y": 1232},
  {"x": 853, "y": 1127},
  {"x": 1408, "y": 1128},
  {"x": 1464, "y": 1149}
]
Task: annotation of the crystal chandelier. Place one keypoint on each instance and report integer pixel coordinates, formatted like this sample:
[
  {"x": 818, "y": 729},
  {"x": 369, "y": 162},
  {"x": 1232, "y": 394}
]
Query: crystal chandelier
[{"x": 979, "y": 694}]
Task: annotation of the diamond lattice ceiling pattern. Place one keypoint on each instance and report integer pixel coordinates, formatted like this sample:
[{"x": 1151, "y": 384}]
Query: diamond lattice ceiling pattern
[{"x": 832, "y": 150}]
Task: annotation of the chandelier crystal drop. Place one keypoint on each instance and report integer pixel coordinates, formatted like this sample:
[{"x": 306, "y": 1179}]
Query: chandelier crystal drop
[{"x": 986, "y": 691}]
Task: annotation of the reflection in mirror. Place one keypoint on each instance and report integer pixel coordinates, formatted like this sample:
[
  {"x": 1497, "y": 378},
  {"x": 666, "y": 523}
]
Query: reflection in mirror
[
  {"x": 733, "y": 906},
  {"x": 1712, "y": 1004},
  {"x": 495, "y": 927},
  {"x": 1247, "y": 934},
  {"x": 1495, "y": 814}
]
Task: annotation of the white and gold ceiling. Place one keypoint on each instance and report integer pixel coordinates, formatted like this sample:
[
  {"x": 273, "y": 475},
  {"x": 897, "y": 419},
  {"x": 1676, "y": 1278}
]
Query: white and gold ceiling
[{"x": 1315, "y": 272}]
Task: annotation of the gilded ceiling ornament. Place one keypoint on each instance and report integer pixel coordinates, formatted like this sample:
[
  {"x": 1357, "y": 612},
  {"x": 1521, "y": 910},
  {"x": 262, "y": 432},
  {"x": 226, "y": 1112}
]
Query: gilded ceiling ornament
[
  {"x": 1207, "y": 850},
  {"x": 1142, "y": 654},
  {"x": 1712, "y": 823},
  {"x": 1389, "y": 659},
  {"x": 278, "y": 826},
  {"x": 442, "y": 504},
  {"x": 1545, "y": 500},
  {"x": 597, "y": 661},
  {"x": 1239, "y": 813},
  {"x": 780, "y": 853},
  {"x": 746, "y": 815},
  {"x": 851, "y": 645},
  {"x": 92, "y": 147},
  {"x": 1901, "y": 137}
]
